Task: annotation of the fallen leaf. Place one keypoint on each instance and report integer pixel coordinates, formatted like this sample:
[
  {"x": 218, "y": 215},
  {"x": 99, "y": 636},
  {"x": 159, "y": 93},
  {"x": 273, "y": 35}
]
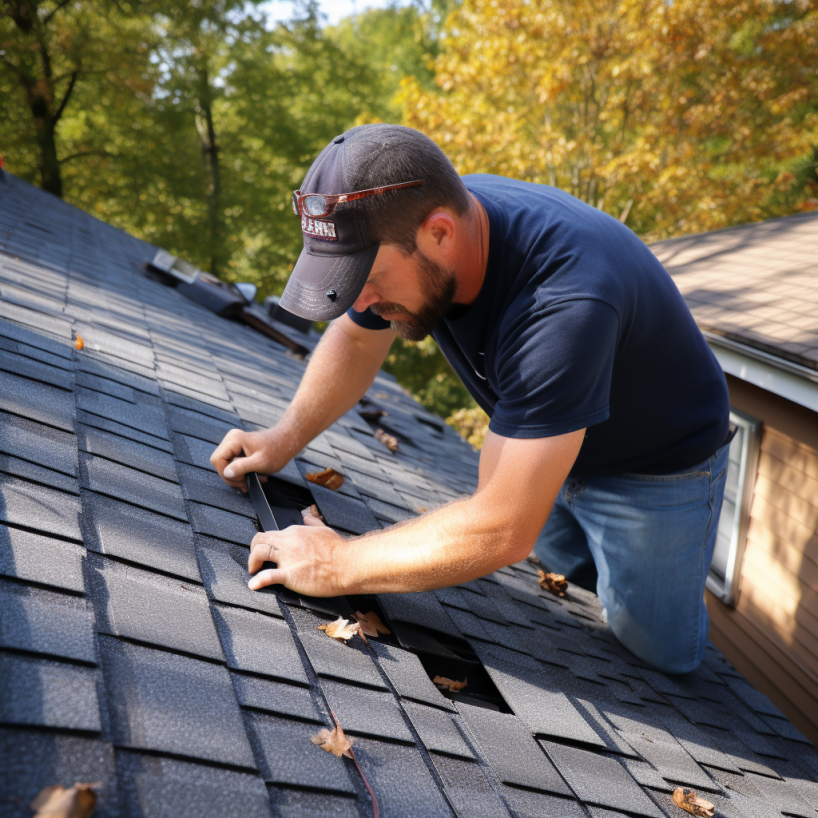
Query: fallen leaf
[
  {"x": 553, "y": 582},
  {"x": 422, "y": 509},
  {"x": 341, "y": 629},
  {"x": 315, "y": 512},
  {"x": 371, "y": 624},
  {"x": 389, "y": 441},
  {"x": 78, "y": 801},
  {"x": 333, "y": 741},
  {"x": 449, "y": 684},
  {"x": 79, "y": 343},
  {"x": 372, "y": 412},
  {"x": 690, "y": 802},
  {"x": 329, "y": 478}
]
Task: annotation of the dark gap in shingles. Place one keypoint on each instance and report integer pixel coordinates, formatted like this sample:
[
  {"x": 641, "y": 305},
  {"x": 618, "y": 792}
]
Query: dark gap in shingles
[
  {"x": 252, "y": 674},
  {"x": 70, "y": 732},
  {"x": 132, "y": 468},
  {"x": 39, "y": 380},
  {"x": 198, "y": 760},
  {"x": 165, "y": 649},
  {"x": 53, "y": 657},
  {"x": 522, "y": 787},
  {"x": 30, "y": 583},
  {"x": 37, "y": 420},
  {"x": 28, "y": 478},
  {"x": 136, "y": 505},
  {"x": 150, "y": 569},
  {"x": 272, "y": 785},
  {"x": 41, "y": 532}
]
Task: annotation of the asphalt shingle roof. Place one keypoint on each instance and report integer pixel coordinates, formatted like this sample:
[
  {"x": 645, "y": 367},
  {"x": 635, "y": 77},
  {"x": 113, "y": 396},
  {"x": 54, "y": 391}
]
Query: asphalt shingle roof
[{"x": 133, "y": 654}]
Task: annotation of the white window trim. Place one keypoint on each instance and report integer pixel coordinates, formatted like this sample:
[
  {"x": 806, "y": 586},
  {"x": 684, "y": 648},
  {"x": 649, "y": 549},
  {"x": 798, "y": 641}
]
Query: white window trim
[{"x": 727, "y": 590}]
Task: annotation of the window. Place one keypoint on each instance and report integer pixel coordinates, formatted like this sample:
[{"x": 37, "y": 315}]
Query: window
[{"x": 725, "y": 570}]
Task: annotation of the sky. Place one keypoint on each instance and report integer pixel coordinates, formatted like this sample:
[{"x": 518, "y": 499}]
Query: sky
[{"x": 333, "y": 9}]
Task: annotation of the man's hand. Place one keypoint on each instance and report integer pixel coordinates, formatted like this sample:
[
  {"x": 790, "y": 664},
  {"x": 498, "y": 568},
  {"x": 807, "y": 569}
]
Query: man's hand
[
  {"x": 243, "y": 452},
  {"x": 309, "y": 558}
]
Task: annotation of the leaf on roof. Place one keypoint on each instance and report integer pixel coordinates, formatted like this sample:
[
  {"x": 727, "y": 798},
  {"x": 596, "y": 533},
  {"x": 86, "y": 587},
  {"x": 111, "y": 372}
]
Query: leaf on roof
[
  {"x": 449, "y": 684},
  {"x": 79, "y": 343},
  {"x": 56, "y": 801},
  {"x": 329, "y": 478},
  {"x": 389, "y": 441},
  {"x": 370, "y": 623},
  {"x": 341, "y": 629},
  {"x": 333, "y": 741},
  {"x": 553, "y": 582},
  {"x": 690, "y": 802},
  {"x": 371, "y": 411}
]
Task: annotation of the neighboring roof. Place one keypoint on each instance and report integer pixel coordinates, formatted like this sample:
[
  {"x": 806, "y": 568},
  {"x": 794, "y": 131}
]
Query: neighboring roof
[
  {"x": 132, "y": 653},
  {"x": 757, "y": 284}
]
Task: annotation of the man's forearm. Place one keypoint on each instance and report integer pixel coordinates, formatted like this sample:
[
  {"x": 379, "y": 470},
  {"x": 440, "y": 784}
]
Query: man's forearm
[{"x": 339, "y": 373}]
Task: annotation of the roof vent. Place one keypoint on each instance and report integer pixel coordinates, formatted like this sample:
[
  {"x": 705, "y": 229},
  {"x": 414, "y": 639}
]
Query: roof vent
[{"x": 180, "y": 269}]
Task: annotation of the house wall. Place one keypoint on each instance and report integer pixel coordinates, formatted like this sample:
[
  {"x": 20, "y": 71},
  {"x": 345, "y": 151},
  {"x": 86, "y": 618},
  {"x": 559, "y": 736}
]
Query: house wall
[{"x": 771, "y": 635}]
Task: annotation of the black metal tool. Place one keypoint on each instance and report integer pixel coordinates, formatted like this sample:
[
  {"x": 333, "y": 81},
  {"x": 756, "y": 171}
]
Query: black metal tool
[{"x": 260, "y": 503}]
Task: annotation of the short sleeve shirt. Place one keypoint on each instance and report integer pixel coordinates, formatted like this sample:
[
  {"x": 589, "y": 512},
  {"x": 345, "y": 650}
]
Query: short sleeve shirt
[{"x": 577, "y": 325}]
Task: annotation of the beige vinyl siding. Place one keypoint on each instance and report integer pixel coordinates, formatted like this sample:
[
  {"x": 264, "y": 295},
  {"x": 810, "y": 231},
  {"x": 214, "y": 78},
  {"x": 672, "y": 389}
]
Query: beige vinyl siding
[{"x": 772, "y": 634}]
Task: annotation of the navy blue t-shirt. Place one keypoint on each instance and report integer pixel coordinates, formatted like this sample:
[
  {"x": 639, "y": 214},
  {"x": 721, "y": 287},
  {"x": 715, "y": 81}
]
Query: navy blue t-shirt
[{"x": 577, "y": 324}]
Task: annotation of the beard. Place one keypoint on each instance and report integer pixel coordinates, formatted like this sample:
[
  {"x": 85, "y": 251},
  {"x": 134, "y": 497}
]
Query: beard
[{"x": 439, "y": 285}]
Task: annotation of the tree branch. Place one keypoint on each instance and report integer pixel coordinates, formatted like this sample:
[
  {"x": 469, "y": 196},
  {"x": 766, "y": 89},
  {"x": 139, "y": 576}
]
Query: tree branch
[
  {"x": 68, "y": 91},
  {"x": 54, "y": 11},
  {"x": 83, "y": 154},
  {"x": 11, "y": 65}
]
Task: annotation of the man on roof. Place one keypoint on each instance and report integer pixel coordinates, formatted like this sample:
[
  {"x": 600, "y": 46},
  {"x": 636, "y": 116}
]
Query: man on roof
[{"x": 607, "y": 447}]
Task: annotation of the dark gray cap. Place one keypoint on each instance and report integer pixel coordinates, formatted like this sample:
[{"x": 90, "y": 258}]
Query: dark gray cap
[{"x": 338, "y": 251}]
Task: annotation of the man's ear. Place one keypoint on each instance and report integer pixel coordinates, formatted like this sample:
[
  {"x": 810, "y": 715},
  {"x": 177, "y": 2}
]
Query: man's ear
[{"x": 436, "y": 235}]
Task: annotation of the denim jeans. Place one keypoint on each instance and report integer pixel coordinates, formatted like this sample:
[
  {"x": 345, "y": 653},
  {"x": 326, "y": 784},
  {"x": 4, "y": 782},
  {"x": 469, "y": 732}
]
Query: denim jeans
[{"x": 645, "y": 542}]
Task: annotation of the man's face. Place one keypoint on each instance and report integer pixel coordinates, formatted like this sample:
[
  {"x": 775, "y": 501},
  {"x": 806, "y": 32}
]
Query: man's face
[{"x": 412, "y": 292}]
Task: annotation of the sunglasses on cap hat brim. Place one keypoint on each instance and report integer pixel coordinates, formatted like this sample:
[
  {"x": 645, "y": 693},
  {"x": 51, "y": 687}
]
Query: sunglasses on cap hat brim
[{"x": 317, "y": 205}]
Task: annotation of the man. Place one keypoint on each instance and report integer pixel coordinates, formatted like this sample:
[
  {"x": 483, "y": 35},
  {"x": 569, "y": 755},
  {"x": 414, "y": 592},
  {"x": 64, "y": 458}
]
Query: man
[{"x": 609, "y": 414}]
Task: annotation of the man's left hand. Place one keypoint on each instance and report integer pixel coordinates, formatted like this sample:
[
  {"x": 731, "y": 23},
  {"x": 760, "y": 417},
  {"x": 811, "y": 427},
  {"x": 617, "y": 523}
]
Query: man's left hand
[{"x": 309, "y": 558}]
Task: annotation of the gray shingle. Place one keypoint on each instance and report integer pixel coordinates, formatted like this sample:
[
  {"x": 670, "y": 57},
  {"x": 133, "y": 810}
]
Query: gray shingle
[
  {"x": 437, "y": 730},
  {"x": 208, "y": 488},
  {"x": 258, "y": 643},
  {"x": 35, "y": 370},
  {"x": 408, "y": 676},
  {"x": 170, "y": 703},
  {"x": 136, "y": 487},
  {"x": 597, "y": 779},
  {"x": 528, "y": 804},
  {"x": 467, "y": 788},
  {"x": 117, "y": 374},
  {"x": 294, "y": 803},
  {"x": 133, "y": 534},
  {"x": 32, "y": 473},
  {"x": 148, "y": 607},
  {"x": 225, "y": 525},
  {"x": 40, "y": 559},
  {"x": 142, "y": 417},
  {"x": 37, "y": 340},
  {"x": 289, "y": 757},
  {"x": 388, "y": 512},
  {"x": 343, "y": 512},
  {"x": 52, "y": 512},
  {"x": 197, "y": 426},
  {"x": 400, "y": 779},
  {"x": 33, "y": 760},
  {"x": 43, "y": 693},
  {"x": 40, "y": 621},
  {"x": 105, "y": 386},
  {"x": 332, "y": 658},
  {"x": 99, "y": 422},
  {"x": 511, "y": 751},
  {"x": 418, "y": 609},
  {"x": 168, "y": 788},
  {"x": 37, "y": 401},
  {"x": 276, "y": 697},
  {"x": 672, "y": 761},
  {"x": 40, "y": 444},
  {"x": 127, "y": 452},
  {"x": 370, "y": 712}
]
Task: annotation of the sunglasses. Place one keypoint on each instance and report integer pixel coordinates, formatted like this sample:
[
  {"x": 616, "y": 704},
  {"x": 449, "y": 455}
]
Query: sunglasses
[{"x": 316, "y": 205}]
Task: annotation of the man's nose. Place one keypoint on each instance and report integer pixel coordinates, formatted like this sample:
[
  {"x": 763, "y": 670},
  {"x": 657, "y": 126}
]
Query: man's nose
[{"x": 366, "y": 299}]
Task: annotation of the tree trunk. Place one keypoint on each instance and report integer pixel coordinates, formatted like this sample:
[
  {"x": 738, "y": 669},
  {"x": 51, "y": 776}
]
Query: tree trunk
[
  {"x": 45, "y": 130},
  {"x": 210, "y": 149}
]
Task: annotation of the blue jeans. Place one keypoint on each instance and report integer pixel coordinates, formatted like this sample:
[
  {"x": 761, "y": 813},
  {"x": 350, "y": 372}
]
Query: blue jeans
[{"x": 645, "y": 542}]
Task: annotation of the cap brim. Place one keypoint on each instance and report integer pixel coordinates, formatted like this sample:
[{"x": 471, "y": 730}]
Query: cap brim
[{"x": 314, "y": 276}]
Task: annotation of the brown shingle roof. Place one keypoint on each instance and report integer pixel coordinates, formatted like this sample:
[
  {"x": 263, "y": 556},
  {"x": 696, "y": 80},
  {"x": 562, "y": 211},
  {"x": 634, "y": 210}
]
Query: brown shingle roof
[{"x": 757, "y": 283}]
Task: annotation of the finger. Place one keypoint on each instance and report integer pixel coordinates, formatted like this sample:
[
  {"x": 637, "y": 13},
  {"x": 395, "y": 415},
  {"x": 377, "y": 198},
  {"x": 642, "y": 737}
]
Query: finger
[
  {"x": 229, "y": 448},
  {"x": 242, "y": 465},
  {"x": 260, "y": 553},
  {"x": 272, "y": 576},
  {"x": 309, "y": 519}
]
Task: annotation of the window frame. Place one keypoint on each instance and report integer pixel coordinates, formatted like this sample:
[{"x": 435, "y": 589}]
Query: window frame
[{"x": 727, "y": 589}]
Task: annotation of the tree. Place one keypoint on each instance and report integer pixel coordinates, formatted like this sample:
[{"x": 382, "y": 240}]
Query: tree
[{"x": 676, "y": 117}]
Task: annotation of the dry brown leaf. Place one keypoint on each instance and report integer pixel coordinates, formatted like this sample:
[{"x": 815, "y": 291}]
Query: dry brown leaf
[
  {"x": 371, "y": 624},
  {"x": 389, "y": 441},
  {"x": 341, "y": 629},
  {"x": 78, "y": 801},
  {"x": 372, "y": 413},
  {"x": 449, "y": 684},
  {"x": 553, "y": 582},
  {"x": 79, "y": 343},
  {"x": 690, "y": 802},
  {"x": 315, "y": 512},
  {"x": 329, "y": 478},
  {"x": 333, "y": 741}
]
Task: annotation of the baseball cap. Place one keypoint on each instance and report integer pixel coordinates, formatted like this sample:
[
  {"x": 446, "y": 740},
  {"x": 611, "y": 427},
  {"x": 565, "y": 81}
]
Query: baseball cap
[{"x": 338, "y": 251}]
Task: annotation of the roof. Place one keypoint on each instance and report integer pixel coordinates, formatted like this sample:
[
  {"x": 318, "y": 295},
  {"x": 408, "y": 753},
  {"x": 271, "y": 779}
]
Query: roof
[
  {"x": 756, "y": 284},
  {"x": 133, "y": 654}
]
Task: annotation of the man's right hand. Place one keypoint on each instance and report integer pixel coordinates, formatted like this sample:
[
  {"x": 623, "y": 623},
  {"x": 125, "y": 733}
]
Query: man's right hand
[{"x": 243, "y": 452}]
